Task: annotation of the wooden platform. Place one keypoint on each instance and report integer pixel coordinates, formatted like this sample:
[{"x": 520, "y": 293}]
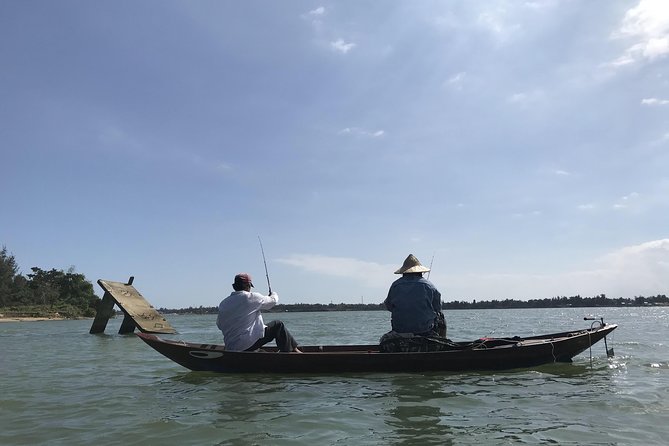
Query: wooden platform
[{"x": 137, "y": 310}]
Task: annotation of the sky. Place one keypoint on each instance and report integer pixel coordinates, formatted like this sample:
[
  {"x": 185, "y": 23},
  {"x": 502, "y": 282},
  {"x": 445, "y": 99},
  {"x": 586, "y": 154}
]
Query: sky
[{"x": 521, "y": 148}]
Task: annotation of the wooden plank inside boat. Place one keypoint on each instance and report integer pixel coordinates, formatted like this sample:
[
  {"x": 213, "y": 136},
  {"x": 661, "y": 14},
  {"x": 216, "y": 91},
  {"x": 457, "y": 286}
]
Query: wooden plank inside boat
[{"x": 137, "y": 310}]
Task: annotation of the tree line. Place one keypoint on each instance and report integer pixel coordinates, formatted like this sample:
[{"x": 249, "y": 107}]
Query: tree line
[
  {"x": 553, "y": 302},
  {"x": 558, "y": 302},
  {"x": 44, "y": 293},
  {"x": 69, "y": 294}
]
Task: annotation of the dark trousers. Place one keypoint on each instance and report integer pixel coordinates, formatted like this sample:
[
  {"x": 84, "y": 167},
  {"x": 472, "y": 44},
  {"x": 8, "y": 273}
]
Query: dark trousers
[
  {"x": 438, "y": 327},
  {"x": 276, "y": 330}
]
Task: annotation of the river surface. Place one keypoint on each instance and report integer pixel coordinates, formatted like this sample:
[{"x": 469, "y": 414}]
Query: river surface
[{"x": 60, "y": 385}]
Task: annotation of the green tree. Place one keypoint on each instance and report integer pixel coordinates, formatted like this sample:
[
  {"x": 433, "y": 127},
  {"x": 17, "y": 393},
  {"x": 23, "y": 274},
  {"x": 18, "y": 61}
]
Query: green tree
[
  {"x": 56, "y": 287},
  {"x": 10, "y": 280}
]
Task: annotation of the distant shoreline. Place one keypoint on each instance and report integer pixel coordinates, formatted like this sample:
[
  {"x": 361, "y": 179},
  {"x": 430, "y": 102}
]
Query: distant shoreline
[{"x": 30, "y": 319}]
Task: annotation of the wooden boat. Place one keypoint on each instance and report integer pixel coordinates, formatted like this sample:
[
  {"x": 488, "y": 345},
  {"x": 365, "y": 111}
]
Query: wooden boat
[{"x": 482, "y": 354}]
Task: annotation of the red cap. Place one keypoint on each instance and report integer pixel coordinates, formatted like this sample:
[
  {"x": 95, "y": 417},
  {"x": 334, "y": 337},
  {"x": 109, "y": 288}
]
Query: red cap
[{"x": 243, "y": 278}]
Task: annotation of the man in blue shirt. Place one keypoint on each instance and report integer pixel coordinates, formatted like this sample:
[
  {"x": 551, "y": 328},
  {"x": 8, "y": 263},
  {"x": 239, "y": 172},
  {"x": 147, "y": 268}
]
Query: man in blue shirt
[{"x": 414, "y": 302}]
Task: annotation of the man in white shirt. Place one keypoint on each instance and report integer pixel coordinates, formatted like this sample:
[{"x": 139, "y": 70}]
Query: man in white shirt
[{"x": 241, "y": 322}]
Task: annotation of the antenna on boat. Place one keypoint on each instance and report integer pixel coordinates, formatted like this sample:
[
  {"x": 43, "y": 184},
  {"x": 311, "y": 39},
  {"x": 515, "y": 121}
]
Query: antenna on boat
[{"x": 265, "y": 262}]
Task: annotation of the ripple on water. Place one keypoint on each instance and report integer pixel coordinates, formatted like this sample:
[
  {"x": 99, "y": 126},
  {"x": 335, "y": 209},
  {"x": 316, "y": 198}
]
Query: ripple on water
[{"x": 73, "y": 388}]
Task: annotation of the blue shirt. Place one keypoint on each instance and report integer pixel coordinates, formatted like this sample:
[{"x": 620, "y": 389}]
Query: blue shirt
[{"x": 414, "y": 303}]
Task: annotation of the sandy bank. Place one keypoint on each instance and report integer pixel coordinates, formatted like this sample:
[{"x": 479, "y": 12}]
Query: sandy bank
[{"x": 30, "y": 319}]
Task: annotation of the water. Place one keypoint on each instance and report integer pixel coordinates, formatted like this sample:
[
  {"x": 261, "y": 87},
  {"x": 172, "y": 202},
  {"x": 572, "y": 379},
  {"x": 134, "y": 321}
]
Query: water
[{"x": 61, "y": 386}]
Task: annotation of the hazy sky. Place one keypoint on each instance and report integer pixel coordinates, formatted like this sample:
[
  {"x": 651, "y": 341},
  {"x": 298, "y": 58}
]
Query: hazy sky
[{"x": 522, "y": 145}]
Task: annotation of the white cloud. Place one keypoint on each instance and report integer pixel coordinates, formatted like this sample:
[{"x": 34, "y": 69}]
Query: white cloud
[
  {"x": 662, "y": 140},
  {"x": 541, "y": 4},
  {"x": 356, "y": 131},
  {"x": 630, "y": 271},
  {"x": 639, "y": 269},
  {"x": 530, "y": 214},
  {"x": 646, "y": 26},
  {"x": 116, "y": 139},
  {"x": 200, "y": 163},
  {"x": 223, "y": 167},
  {"x": 560, "y": 172},
  {"x": 315, "y": 16},
  {"x": 586, "y": 207},
  {"x": 498, "y": 23},
  {"x": 626, "y": 201},
  {"x": 456, "y": 81},
  {"x": 369, "y": 273},
  {"x": 654, "y": 101},
  {"x": 341, "y": 46},
  {"x": 317, "y": 12},
  {"x": 527, "y": 98}
]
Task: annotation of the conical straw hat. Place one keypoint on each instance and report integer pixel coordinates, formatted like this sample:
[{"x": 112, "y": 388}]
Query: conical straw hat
[{"x": 412, "y": 265}]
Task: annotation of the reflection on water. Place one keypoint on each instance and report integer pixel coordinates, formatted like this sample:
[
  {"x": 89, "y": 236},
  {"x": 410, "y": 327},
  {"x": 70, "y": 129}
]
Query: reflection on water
[
  {"x": 418, "y": 411},
  {"x": 485, "y": 408},
  {"x": 400, "y": 409}
]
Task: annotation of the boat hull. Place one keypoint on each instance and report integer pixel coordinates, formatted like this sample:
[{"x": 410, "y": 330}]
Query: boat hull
[{"x": 482, "y": 354}]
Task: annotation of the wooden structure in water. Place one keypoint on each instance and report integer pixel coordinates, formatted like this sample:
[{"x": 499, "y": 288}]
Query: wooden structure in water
[{"x": 138, "y": 312}]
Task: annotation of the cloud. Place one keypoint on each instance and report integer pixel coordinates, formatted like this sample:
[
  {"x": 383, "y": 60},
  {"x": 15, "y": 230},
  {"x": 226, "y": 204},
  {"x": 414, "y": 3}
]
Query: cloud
[
  {"x": 561, "y": 172},
  {"x": 315, "y": 16},
  {"x": 356, "y": 131},
  {"x": 661, "y": 140},
  {"x": 626, "y": 201},
  {"x": 654, "y": 101},
  {"x": 195, "y": 161},
  {"x": 341, "y": 46},
  {"x": 527, "y": 98},
  {"x": 646, "y": 27},
  {"x": 530, "y": 214},
  {"x": 368, "y": 273},
  {"x": 630, "y": 271},
  {"x": 115, "y": 138},
  {"x": 638, "y": 270},
  {"x": 498, "y": 23},
  {"x": 222, "y": 167},
  {"x": 317, "y": 12},
  {"x": 456, "y": 81}
]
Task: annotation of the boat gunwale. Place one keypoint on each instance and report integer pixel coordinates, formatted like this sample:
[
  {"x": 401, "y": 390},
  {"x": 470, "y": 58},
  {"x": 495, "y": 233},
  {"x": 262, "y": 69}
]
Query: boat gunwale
[{"x": 365, "y": 349}]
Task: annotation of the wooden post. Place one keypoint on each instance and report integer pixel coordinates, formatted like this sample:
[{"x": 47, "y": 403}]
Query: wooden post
[
  {"x": 127, "y": 326},
  {"x": 138, "y": 312},
  {"x": 105, "y": 311}
]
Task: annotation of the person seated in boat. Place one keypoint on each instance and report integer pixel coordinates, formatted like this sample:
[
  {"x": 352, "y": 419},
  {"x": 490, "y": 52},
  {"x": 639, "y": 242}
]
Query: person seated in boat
[
  {"x": 415, "y": 303},
  {"x": 240, "y": 319}
]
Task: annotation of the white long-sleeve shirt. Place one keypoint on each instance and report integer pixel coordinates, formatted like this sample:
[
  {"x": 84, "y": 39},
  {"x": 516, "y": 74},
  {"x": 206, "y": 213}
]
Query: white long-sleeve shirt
[{"x": 240, "y": 320}]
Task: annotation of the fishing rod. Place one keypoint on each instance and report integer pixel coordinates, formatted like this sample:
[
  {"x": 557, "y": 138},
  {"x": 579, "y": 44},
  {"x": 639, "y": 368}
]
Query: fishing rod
[
  {"x": 265, "y": 262},
  {"x": 440, "y": 321},
  {"x": 428, "y": 273}
]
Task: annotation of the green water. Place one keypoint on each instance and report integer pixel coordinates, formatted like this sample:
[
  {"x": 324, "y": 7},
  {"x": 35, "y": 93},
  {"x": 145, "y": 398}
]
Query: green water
[{"x": 61, "y": 386}]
